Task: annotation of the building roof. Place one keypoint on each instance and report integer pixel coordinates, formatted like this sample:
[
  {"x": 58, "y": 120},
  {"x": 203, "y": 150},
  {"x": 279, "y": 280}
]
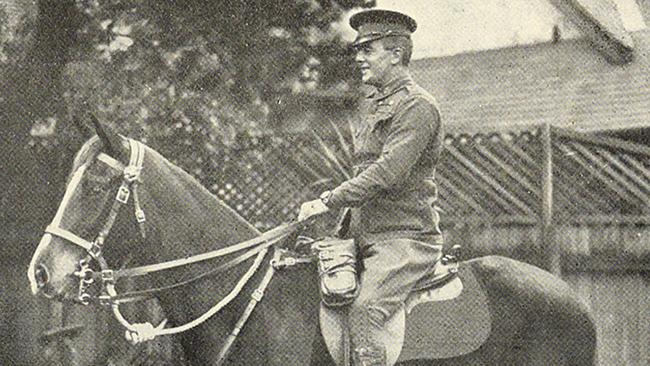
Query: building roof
[{"x": 565, "y": 84}]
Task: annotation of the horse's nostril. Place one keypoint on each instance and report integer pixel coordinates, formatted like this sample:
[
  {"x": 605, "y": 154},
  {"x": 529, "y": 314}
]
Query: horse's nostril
[{"x": 41, "y": 275}]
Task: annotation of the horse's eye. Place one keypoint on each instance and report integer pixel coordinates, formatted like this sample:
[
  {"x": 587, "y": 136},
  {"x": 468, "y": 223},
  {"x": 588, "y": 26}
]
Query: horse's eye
[
  {"x": 95, "y": 185},
  {"x": 96, "y": 188},
  {"x": 93, "y": 188}
]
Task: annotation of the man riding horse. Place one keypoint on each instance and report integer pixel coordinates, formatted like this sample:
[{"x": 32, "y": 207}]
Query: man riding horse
[{"x": 389, "y": 202}]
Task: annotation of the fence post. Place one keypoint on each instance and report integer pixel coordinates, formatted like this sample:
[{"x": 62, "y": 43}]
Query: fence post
[{"x": 549, "y": 246}]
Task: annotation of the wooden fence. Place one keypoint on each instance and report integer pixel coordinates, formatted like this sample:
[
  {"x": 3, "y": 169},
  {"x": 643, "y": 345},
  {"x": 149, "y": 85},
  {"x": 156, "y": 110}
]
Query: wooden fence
[
  {"x": 577, "y": 205},
  {"x": 562, "y": 186}
]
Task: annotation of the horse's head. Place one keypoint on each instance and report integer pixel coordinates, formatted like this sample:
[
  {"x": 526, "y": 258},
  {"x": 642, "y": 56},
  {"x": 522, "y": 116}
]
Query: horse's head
[
  {"x": 72, "y": 243},
  {"x": 100, "y": 223}
]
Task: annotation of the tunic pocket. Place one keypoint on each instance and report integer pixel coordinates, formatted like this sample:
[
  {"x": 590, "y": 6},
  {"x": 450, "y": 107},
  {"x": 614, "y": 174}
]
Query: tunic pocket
[{"x": 376, "y": 132}]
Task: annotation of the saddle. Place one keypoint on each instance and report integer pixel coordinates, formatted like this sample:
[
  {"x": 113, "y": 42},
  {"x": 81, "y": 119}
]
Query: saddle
[{"x": 445, "y": 316}]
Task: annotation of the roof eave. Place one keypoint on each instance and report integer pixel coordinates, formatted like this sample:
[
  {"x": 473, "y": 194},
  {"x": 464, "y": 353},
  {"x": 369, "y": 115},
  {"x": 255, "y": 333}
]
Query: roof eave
[{"x": 600, "y": 22}]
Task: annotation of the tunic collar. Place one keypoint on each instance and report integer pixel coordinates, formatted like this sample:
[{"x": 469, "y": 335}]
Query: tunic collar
[{"x": 391, "y": 88}]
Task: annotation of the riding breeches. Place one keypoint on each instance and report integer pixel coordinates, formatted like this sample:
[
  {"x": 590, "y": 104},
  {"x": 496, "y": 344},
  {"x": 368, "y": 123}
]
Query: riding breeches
[{"x": 391, "y": 269}]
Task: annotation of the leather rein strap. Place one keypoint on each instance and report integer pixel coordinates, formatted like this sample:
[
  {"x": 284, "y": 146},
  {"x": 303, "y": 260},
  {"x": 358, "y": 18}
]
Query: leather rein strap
[{"x": 258, "y": 243}]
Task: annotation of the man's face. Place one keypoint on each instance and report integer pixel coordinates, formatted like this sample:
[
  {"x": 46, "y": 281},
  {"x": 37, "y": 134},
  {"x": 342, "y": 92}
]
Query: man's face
[{"x": 374, "y": 62}]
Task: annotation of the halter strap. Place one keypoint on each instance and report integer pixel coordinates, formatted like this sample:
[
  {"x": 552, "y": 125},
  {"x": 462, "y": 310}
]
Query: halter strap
[
  {"x": 108, "y": 160},
  {"x": 131, "y": 178},
  {"x": 69, "y": 236}
]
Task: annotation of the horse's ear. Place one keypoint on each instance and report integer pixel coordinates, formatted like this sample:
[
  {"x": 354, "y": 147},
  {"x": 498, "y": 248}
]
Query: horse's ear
[
  {"x": 83, "y": 129},
  {"x": 111, "y": 141}
]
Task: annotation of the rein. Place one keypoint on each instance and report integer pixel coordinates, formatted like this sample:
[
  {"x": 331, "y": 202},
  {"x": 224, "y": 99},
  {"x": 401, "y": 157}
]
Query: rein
[{"x": 256, "y": 247}]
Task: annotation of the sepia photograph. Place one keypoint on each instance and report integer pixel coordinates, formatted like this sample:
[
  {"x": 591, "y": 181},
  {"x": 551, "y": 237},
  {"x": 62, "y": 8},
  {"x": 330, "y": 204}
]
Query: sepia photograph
[{"x": 325, "y": 182}]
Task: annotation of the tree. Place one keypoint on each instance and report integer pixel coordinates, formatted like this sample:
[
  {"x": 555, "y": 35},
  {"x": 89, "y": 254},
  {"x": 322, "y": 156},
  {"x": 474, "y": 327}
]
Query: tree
[
  {"x": 188, "y": 76},
  {"x": 34, "y": 41},
  {"x": 218, "y": 63},
  {"x": 184, "y": 76}
]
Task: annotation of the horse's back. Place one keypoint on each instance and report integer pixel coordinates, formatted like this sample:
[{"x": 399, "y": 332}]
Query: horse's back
[
  {"x": 535, "y": 320},
  {"x": 558, "y": 325},
  {"x": 545, "y": 292}
]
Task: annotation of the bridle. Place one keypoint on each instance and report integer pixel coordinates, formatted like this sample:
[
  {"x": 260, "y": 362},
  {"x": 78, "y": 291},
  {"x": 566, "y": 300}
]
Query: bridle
[
  {"x": 129, "y": 185},
  {"x": 257, "y": 247}
]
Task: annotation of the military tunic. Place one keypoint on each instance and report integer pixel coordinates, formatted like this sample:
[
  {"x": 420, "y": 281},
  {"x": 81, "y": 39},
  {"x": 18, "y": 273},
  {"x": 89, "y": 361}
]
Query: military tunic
[{"x": 397, "y": 143}]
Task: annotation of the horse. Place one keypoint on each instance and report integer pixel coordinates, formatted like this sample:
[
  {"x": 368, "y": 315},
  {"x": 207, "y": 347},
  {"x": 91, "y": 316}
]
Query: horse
[{"x": 536, "y": 317}]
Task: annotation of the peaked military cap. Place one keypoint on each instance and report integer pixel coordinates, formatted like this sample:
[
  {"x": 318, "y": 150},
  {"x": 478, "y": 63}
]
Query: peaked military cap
[{"x": 377, "y": 24}]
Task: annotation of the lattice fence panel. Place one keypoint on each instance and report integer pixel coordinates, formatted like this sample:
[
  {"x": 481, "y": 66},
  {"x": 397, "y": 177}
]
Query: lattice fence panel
[
  {"x": 491, "y": 176},
  {"x": 266, "y": 178},
  {"x": 598, "y": 177}
]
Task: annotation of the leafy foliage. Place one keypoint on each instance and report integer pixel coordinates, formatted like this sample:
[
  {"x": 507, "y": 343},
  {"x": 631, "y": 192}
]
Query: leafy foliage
[
  {"x": 219, "y": 62},
  {"x": 185, "y": 76},
  {"x": 17, "y": 18}
]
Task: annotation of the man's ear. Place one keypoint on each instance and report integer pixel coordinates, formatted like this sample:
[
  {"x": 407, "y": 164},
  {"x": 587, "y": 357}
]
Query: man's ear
[
  {"x": 113, "y": 144},
  {"x": 397, "y": 54}
]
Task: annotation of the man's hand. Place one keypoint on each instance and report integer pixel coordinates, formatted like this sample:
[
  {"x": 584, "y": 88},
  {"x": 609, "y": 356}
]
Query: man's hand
[{"x": 312, "y": 208}]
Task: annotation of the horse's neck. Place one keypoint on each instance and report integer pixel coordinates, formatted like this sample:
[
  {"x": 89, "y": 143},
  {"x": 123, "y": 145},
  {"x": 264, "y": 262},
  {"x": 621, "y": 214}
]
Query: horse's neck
[
  {"x": 189, "y": 219},
  {"x": 184, "y": 219},
  {"x": 192, "y": 221}
]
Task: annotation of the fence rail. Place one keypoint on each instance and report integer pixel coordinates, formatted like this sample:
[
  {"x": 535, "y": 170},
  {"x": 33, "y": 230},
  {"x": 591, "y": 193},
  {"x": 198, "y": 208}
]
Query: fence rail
[{"x": 550, "y": 181}]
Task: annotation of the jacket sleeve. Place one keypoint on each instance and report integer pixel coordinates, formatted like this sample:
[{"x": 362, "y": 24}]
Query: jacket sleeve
[{"x": 412, "y": 129}]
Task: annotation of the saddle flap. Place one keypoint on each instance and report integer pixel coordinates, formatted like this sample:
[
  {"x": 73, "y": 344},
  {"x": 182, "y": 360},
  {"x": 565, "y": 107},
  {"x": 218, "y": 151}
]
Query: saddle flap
[
  {"x": 334, "y": 329},
  {"x": 436, "y": 323},
  {"x": 440, "y": 325}
]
